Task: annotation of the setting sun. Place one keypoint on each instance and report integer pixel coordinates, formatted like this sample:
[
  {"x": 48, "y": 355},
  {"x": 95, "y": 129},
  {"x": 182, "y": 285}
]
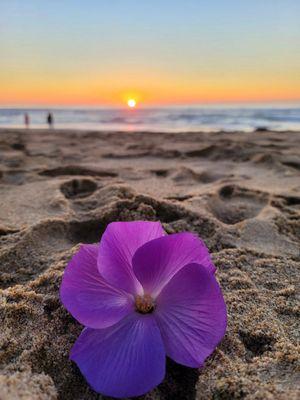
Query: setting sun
[{"x": 131, "y": 103}]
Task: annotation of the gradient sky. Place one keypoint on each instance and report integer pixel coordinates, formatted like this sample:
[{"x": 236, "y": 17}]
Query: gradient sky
[{"x": 90, "y": 52}]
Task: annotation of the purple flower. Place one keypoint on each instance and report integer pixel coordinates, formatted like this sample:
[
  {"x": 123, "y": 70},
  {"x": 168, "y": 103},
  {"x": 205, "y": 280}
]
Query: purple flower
[{"x": 142, "y": 295}]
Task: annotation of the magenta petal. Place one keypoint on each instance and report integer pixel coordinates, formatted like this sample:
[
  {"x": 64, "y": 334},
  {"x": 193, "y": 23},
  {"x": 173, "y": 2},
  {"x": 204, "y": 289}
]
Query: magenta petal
[
  {"x": 87, "y": 296},
  {"x": 191, "y": 315},
  {"x": 124, "y": 360},
  {"x": 117, "y": 247},
  {"x": 156, "y": 262}
]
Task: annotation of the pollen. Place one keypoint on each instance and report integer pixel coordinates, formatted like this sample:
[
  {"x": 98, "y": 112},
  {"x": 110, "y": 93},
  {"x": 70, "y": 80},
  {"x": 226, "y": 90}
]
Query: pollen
[{"x": 144, "y": 304}]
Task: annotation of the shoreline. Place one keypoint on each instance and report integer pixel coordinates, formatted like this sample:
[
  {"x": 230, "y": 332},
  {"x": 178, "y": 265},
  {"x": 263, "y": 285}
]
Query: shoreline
[{"x": 115, "y": 131}]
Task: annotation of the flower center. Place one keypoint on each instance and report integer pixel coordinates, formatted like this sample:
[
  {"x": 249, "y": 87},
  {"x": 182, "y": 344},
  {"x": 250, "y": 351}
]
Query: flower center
[{"x": 144, "y": 304}]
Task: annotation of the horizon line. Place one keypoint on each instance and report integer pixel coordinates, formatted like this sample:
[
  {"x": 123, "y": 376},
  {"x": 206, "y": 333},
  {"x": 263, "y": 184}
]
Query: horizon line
[{"x": 293, "y": 102}]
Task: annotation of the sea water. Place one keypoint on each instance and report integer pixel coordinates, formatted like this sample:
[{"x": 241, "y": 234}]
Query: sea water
[{"x": 163, "y": 119}]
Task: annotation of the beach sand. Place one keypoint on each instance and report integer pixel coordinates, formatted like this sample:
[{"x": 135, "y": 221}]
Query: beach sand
[{"x": 238, "y": 191}]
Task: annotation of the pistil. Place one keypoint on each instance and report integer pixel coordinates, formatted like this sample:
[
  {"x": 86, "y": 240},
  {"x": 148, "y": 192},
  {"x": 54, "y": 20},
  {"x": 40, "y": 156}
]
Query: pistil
[{"x": 144, "y": 304}]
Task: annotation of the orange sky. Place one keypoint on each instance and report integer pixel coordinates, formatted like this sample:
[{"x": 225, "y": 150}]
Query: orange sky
[
  {"x": 157, "y": 90},
  {"x": 101, "y": 55}
]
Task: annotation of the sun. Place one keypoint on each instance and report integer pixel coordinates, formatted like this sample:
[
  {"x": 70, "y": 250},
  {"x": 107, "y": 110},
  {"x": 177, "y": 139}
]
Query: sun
[{"x": 131, "y": 103}]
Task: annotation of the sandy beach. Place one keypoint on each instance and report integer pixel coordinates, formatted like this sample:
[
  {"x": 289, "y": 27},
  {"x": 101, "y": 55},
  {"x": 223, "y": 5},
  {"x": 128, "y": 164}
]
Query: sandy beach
[{"x": 240, "y": 192}]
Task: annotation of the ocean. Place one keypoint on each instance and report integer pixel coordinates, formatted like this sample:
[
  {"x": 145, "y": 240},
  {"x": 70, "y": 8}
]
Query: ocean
[{"x": 164, "y": 119}]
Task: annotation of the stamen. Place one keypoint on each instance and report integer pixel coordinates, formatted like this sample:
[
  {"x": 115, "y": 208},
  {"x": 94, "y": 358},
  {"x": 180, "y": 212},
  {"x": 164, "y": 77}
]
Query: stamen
[{"x": 144, "y": 304}]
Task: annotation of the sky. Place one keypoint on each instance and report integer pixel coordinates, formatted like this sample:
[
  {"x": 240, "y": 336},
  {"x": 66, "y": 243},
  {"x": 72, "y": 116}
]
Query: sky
[{"x": 102, "y": 52}]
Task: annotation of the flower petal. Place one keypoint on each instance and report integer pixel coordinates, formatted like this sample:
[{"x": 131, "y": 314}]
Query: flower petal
[
  {"x": 87, "y": 296},
  {"x": 117, "y": 247},
  {"x": 156, "y": 262},
  {"x": 191, "y": 315},
  {"x": 124, "y": 360}
]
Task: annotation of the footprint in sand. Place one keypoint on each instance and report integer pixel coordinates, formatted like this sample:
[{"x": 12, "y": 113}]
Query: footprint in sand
[
  {"x": 186, "y": 175},
  {"x": 293, "y": 163},
  {"x": 78, "y": 188},
  {"x": 160, "y": 173},
  {"x": 233, "y": 204},
  {"x": 26, "y": 258},
  {"x": 76, "y": 170}
]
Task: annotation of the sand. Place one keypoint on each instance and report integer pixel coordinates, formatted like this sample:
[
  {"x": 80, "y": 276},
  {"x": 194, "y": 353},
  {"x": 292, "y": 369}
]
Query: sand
[{"x": 238, "y": 191}]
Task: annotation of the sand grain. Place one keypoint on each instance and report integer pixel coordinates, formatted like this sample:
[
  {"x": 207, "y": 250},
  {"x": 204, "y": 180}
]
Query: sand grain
[{"x": 239, "y": 192}]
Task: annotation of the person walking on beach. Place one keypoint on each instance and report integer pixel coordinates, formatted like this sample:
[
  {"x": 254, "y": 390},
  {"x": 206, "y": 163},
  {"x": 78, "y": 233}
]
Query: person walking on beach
[
  {"x": 26, "y": 120},
  {"x": 50, "y": 120}
]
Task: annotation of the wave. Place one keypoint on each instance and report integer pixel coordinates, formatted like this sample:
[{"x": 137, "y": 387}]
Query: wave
[{"x": 160, "y": 119}]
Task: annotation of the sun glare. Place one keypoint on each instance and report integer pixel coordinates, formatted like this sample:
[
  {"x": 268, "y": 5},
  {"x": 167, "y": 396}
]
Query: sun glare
[{"x": 131, "y": 103}]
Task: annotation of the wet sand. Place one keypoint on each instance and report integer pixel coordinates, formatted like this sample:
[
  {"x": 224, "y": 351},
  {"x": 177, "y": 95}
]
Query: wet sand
[{"x": 240, "y": 192}]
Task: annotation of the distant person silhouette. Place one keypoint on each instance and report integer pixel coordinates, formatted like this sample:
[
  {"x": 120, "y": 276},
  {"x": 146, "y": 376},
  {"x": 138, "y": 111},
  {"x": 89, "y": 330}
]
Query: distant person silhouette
[
  {"x": 26, "y": 120},
  {"x": 50, "y": 120}
]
